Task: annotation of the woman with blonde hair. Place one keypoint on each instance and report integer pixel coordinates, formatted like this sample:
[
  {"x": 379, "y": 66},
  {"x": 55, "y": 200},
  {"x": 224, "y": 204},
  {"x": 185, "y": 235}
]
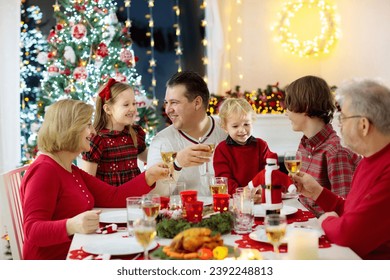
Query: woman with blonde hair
[{"x": 58, "y": 197}]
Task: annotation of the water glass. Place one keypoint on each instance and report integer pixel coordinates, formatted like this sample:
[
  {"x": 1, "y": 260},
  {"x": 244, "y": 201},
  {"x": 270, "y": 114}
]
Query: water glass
[
  {"x": 174, "y": 189},
  {"x": 243, "y": 215},
  {"x": 302, "y": 245},
  {"x": 134, "y": 212}
]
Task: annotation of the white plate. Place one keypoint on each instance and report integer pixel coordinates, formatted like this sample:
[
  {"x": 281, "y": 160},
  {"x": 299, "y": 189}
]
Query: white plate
[
  {"x": 207, "y": 200},
  {"x": 260, "y": 235},
  {"x": 286, "y": 210},
  {"x": 289, "y": 195},
  {"x": 116, "y": 246},
  {"x": 119, "y": 216}
]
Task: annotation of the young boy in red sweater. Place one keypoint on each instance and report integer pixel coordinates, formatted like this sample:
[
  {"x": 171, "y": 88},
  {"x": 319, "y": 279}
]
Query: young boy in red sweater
[{"x": 241, "y": 156}]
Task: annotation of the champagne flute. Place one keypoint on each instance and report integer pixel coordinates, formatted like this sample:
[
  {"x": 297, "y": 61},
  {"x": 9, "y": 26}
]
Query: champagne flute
[
  {"x": 275, "y": 228},
  {"x": 293, "y": 161},
  {"x": 150, "y": 204},
  {"x": 145, "y": 232},
  {"x": 212, "y": 147},
  {"x": 168, "y": 156}
]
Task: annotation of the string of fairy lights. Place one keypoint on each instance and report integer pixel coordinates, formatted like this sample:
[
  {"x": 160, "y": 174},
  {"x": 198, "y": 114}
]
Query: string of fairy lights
[
  {"x": 152, "y": 61},
  {"x": 203, "y": 24},
  {"x": 178, "y": 43}
]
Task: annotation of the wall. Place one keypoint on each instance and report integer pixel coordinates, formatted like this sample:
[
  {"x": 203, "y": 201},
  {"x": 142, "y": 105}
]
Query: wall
[{"x": 363, "y": 50}]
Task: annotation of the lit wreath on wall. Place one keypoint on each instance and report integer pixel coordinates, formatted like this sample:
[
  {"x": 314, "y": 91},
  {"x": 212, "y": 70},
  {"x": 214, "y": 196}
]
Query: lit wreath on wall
[{"x": 320, "y": 44}]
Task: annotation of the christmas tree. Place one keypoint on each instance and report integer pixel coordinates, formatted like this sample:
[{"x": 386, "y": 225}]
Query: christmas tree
[
  {"x": 88, "y": 46},
  {"x": 32, "y": 42}
]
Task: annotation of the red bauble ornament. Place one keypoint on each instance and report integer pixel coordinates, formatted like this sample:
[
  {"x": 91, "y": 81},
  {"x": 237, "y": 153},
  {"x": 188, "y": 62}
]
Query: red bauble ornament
[
  {"x": 66, "y": 72},
  {"x": 80, "y": 73},
  {"x": 102, "y": 50},
  {"x": 79, "y": 31}
]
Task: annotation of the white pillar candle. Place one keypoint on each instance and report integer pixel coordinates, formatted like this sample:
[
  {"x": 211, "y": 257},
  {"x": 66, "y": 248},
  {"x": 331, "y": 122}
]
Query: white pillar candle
[{"x": 302, "y": 245}]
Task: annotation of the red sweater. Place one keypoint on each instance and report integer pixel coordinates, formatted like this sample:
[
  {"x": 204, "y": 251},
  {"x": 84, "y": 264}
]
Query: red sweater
[
  {"x": 364, "y": 222},
  {"x": 240, "y": 163},
  {"x": 50, "y": 195}
]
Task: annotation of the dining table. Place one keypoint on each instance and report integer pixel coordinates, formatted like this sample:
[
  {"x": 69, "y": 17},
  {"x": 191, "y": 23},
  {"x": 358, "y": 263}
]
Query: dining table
[{"x": 301, "y": 218}]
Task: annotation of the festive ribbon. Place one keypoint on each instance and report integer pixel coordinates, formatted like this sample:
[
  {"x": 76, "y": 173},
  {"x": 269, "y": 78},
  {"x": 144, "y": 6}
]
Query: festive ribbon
[{"x": 105, "y": 93}]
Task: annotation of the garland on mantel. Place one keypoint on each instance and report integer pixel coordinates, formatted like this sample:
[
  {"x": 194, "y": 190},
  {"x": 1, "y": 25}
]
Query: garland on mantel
[{"x": 267, "y": 101}]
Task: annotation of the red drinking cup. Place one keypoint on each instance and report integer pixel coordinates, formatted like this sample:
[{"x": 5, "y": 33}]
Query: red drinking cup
[
  {"x": 221, "y": 202},
  {"x": 194, "y": 211},
  {"x": 164, "y": 202}
]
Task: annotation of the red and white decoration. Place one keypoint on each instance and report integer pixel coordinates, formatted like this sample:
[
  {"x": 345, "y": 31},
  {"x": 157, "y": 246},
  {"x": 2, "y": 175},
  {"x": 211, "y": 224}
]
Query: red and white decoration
[
  {"x": 80, "y": 74},
  {"x": 79, "y": 31},
  {"x": 272, "y": 182},
  {"x": 102, "y": 50},
  {"x": 119, "y": 77},
  {"x": 53, "y": 70},
  {"x": 127, "y": 56}
]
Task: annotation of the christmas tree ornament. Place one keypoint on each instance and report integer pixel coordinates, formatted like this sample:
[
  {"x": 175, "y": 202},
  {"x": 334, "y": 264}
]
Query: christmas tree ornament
[
  {"x": 69, "y": 54},
  {"x": 53, "y": 70},
  {"x": 102, "y": 50},
  {"x": 79, "y": 31},
  {"x": 42, "y": 58},
  {"x": 80, "y": 74},
  {"x": 127, "y": 56}
]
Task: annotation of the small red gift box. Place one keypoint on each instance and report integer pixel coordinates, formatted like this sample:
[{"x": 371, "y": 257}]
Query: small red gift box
[
  {"x": 221, "y": 202},
  {"x": 194, "y": 210}
]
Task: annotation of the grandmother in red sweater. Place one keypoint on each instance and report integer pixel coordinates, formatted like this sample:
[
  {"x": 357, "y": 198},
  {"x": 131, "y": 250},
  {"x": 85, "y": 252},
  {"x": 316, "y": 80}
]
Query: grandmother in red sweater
[
  {"x": 361, "y": 221},
  {"x": 58, "y": 197}
]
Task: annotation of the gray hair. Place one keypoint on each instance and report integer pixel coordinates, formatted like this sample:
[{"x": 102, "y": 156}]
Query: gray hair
[{"x": 369, "y": 98}]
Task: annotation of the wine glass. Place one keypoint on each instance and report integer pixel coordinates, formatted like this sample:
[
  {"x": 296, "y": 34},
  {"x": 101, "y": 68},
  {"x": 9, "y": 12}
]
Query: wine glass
[
  {"x": 150, "y": 204},
  {"x": 212, "y": 147},
  {"x": 293, "y": 161},
  {"x": 168, "y": 156},
  {"x": 145, "y": 232},
  {"x": 275, "y": 228}
]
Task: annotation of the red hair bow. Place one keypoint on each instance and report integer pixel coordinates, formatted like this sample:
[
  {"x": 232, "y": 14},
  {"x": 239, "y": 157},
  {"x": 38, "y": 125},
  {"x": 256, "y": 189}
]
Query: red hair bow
[{"x": 105, "y": 93}]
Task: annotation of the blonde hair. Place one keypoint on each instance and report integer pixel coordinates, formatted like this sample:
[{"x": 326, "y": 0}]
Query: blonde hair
[
  {"x": 101, "y": 119},
  {"x": 238, "y": 106},
  {"x": 64, "y": 122}
]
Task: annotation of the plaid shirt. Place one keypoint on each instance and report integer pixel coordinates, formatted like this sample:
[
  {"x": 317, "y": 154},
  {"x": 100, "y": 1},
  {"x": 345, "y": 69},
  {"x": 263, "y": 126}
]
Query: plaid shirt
[
  {"x": 328, "y": 162},
  {"x": 116, "y": 155}
]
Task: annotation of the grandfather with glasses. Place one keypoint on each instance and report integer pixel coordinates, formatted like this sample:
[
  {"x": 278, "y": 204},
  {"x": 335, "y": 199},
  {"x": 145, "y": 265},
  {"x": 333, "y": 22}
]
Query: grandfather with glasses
[{"x": 361, "y": 221}]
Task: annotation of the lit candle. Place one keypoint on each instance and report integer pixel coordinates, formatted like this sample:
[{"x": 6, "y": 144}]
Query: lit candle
[{"x": 302, "y": 245}]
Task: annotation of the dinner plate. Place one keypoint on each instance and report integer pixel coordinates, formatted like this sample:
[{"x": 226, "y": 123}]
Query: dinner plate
[
  {"x": 286, "y": 210},
  {"x": 119, "y": 216},
  {"x": 260, "y": 235},
  {"x": 116, "y": 246},
  {"x": 289, "y": 195}
]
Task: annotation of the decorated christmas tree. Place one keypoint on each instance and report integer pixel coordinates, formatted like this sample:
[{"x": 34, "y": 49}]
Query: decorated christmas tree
[
  {"x": 88, "y": 45},
  {"x": 32, "y": 42}
]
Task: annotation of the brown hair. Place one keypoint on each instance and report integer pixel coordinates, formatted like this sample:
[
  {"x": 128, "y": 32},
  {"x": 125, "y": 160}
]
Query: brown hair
[
  {"x": 311, "y": 95},
  {"x": 63, "y": 124},
  {"x": 101, "y": 119},
  {"x": 194, "y": 84}
]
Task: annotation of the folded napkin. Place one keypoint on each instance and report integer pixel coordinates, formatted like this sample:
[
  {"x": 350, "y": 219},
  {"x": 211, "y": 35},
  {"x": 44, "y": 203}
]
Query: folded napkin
[
  {"x": 80, "y": 254},
  {"x": 111, "y": 228}
]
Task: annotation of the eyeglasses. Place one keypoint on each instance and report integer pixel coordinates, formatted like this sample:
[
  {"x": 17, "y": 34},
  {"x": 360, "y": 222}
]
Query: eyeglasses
[{"x": 341, "y": 118}]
